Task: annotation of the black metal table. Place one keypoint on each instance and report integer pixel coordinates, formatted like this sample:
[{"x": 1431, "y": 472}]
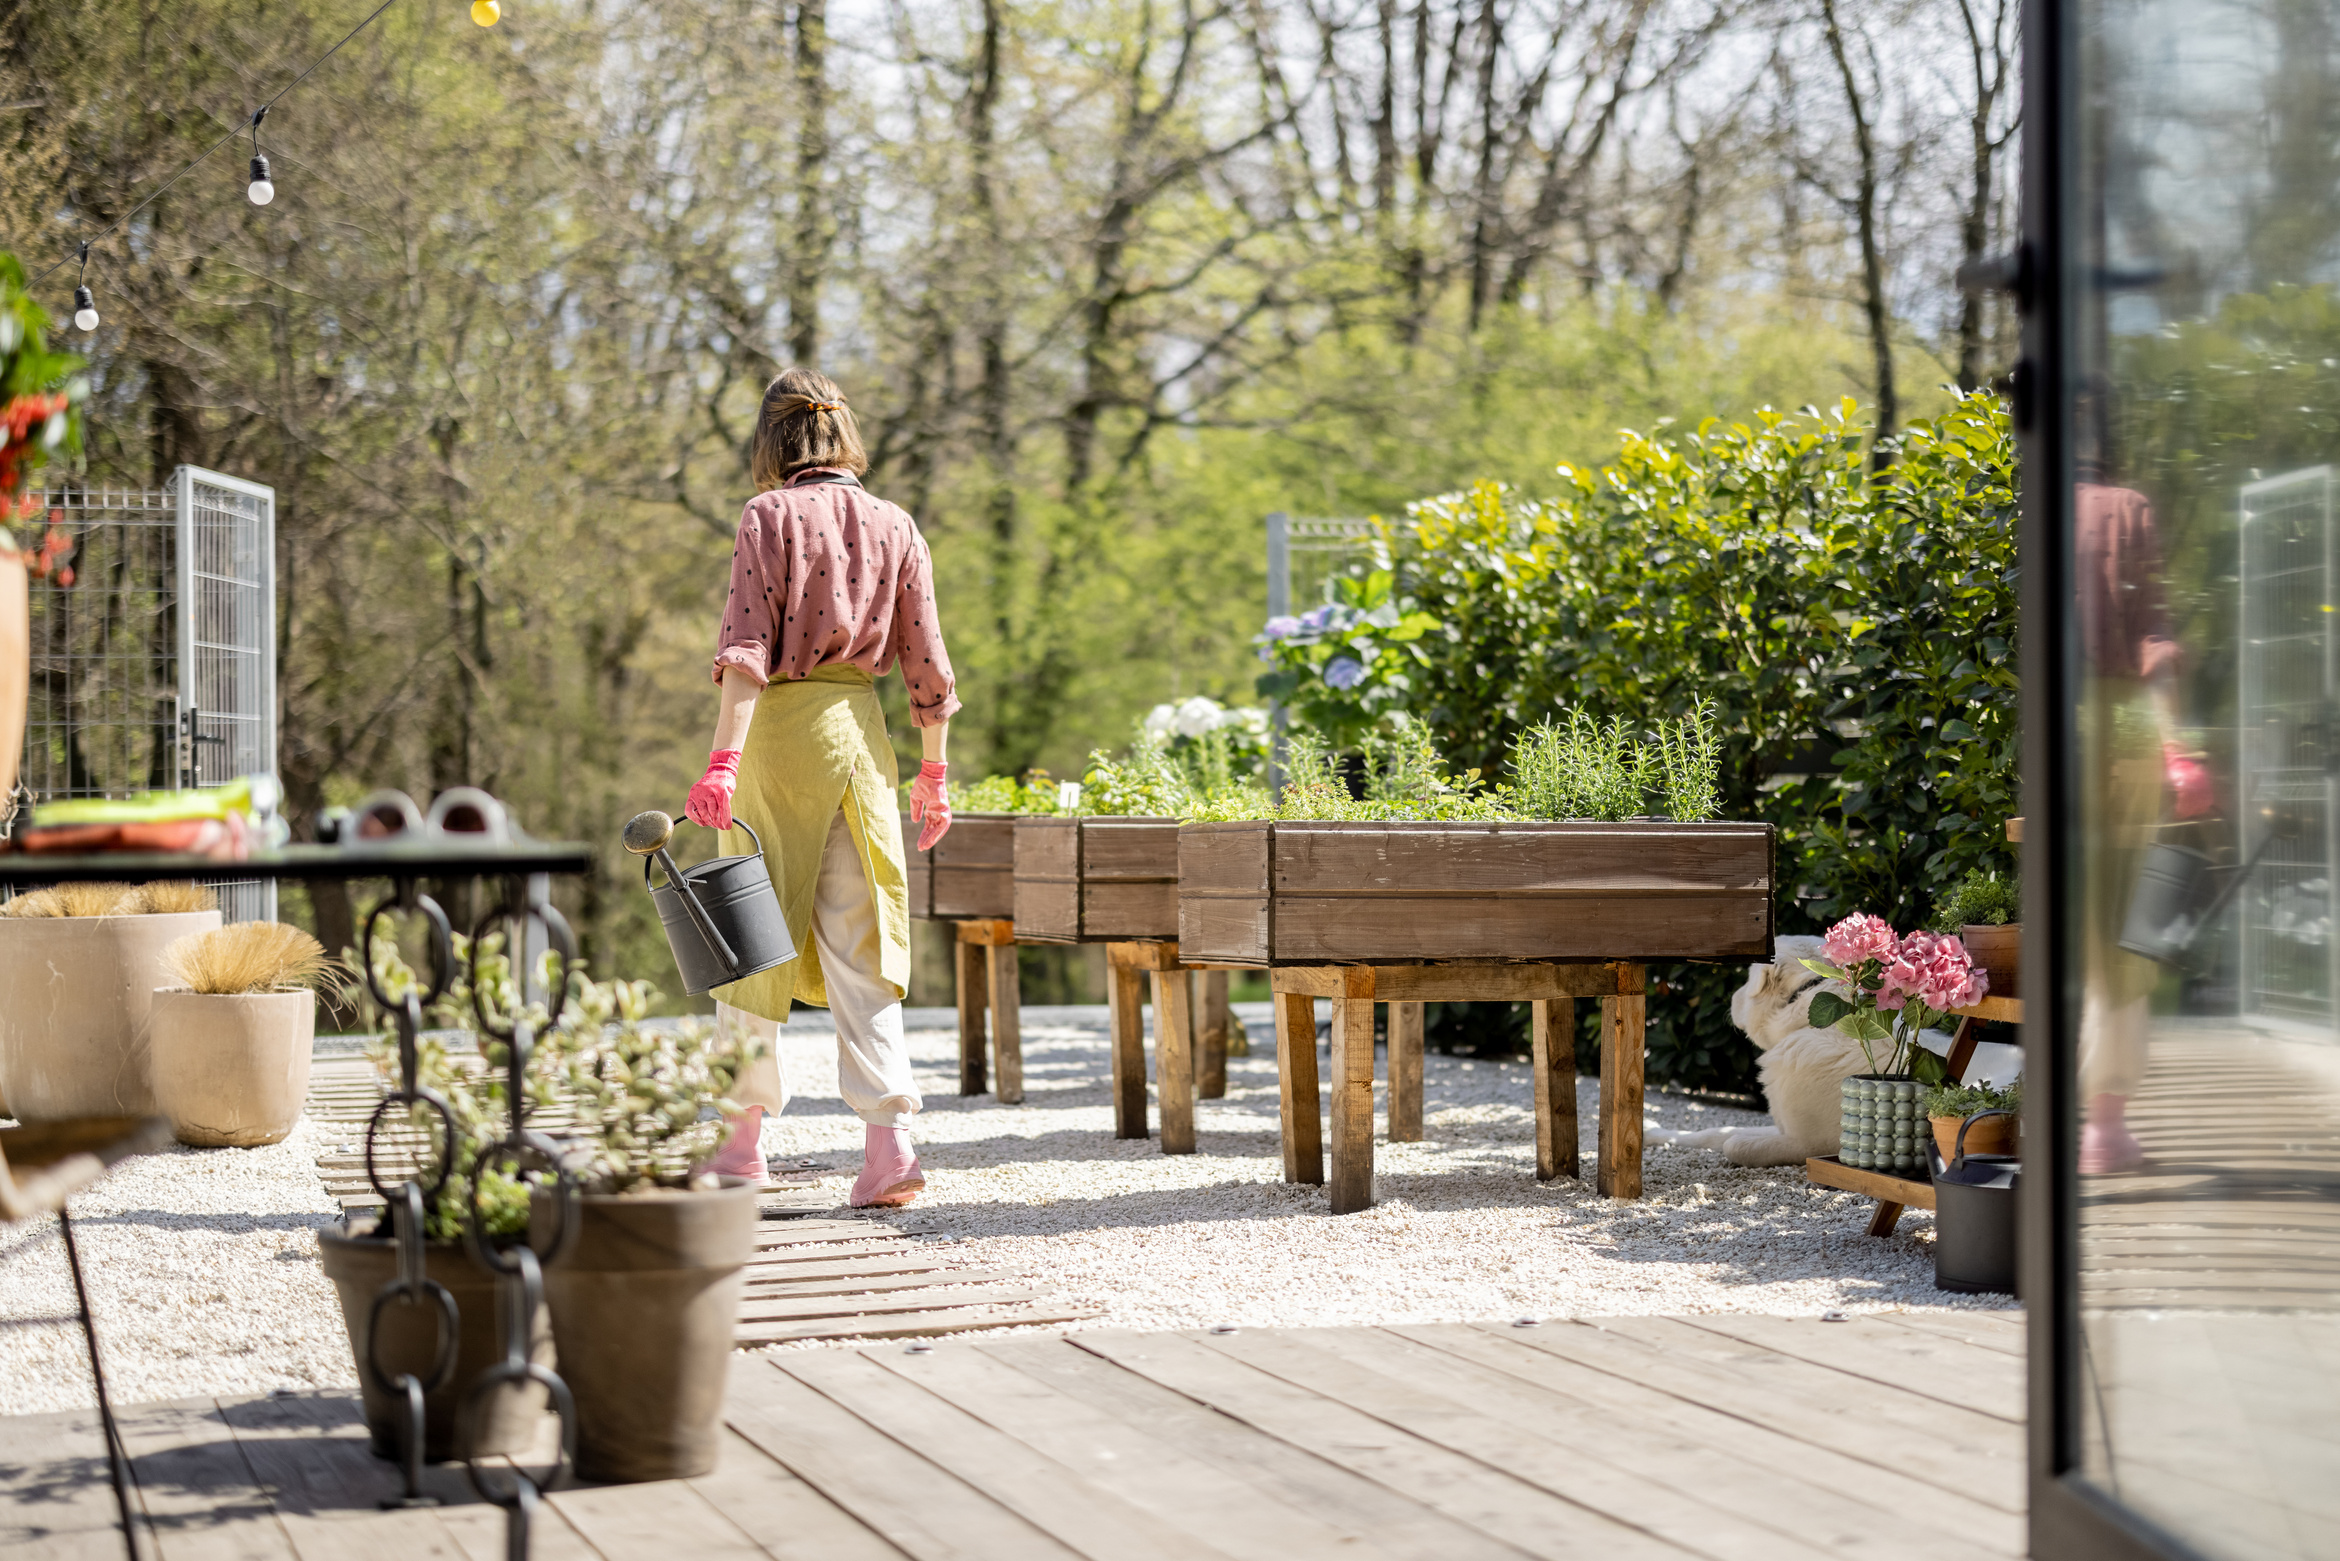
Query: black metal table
[{"x": 521, "y": 865}]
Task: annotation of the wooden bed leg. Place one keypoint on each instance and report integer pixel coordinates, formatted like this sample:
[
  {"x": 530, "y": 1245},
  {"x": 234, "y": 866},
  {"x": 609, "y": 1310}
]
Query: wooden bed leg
[
  {"x": 1887, "y": 1216},
  {"x": 1296, "y": 1080},
  {"x": 1007, "y": 1022},
  {"x": 1554, "y": 1023},
  {"x": 973, "y": 990},
  {"x": 1405, "y": 1073},
  {"x": 1352, "y": 1098},
  {"x": 1221, "y": 1008},
  {"x": 1174, "y": 1059},
  {"x": 1210, "y": 1023},
  {"x": 1125, "y": 1022},
  {"x": 1624, "y": 1036}
]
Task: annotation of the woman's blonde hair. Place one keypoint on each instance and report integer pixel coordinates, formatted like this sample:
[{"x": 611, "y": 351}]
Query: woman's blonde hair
[{"x": 804, "y": 422}]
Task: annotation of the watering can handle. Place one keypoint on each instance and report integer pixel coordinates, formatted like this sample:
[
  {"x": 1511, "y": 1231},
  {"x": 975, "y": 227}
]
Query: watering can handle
[
  {"x": 697, "y": 912},
  {"x": 1958, "y": 1151}
]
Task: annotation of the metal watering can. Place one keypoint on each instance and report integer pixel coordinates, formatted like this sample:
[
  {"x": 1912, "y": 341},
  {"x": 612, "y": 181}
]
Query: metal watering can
[
  {"x": 1975, "y": 1199},
  {"x": 722, "y": 917}
]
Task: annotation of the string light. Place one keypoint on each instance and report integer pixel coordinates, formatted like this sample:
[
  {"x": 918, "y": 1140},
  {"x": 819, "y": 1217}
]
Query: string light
[
  {"x": 85, "y": 315},
  {"x": 260, "y": 192},
  {"x": 486, "y": 12}
]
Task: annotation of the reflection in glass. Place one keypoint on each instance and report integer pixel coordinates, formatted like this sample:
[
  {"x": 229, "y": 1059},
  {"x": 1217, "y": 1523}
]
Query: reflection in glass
[{"x": 2204, "y": 253}]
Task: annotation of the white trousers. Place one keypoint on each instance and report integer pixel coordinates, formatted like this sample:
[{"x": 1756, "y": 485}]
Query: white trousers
[{"x": 873, "y": 1058}]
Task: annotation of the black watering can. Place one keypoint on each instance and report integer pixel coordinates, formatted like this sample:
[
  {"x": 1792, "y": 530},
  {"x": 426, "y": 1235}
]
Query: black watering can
[
  {"x": 722, "y": 917},
  {"x": 1974, "y": 1216}
]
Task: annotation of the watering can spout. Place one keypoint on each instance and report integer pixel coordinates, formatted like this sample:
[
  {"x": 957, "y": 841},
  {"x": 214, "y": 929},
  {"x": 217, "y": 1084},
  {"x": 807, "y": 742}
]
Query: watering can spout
[{"x": 648, "y": 832}]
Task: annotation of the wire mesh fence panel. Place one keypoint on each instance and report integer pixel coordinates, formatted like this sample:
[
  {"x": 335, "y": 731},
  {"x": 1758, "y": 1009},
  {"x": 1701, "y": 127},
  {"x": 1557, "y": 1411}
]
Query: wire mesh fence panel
[
  {"x": 155, "y": 667},
  {"x": 2290, "y": 655}
]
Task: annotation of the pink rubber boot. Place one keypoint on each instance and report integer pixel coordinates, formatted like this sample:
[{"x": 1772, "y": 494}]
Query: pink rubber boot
[
  {"x": 889, "y": 1170},
  {"x": 2106, "y": 1144},
  {"x": 742, "y": 1153}
]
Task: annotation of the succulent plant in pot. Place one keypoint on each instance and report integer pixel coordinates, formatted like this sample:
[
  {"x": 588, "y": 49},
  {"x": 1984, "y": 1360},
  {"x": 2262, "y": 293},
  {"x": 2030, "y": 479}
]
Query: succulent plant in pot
[
  {"x": 79, "y": 965},
  {"x": 360, "y": 1258},
  {"x": 645, "y": 1303}
]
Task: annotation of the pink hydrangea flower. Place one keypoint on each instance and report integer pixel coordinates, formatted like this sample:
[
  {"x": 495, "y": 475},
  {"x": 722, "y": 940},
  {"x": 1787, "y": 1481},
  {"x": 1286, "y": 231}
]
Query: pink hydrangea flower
[
  {"x": 1857, "y": 938},
  {"x": 1933, "y": 968}
]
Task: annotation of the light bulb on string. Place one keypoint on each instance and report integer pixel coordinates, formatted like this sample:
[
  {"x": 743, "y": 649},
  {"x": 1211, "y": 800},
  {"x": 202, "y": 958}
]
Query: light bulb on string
[
  {"x": 486, "y": 12},
  {"x": 260, "y": 191},
  {"x": 85, "y": 315}
]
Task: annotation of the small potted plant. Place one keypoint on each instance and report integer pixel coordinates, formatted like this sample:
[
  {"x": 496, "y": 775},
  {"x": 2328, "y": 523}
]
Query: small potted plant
[
  {"x": 1984, "y": 910},
  {"x": 231, "y": 1043},
  {"x": 1948, "y": 1104},
  {"x": 646, "y": 1302},
  {"x": 361, "y": 1258},
  {"x": 79, "y": 964},
  {"x": 1900, "y": 987}
]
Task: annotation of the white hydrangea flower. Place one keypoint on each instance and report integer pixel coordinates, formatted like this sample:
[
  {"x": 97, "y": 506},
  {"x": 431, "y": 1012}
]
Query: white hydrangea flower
[
  {"x": 1161, "y": 719},
  {"x": 1249, "y": 718},
  {"x": 1197, "y": 716}
]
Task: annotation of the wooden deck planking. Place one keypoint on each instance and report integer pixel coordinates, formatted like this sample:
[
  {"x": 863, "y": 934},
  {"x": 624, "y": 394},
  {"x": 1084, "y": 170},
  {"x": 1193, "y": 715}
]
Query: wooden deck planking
[
  {"x": 1951, "y": 1370},
  {"x": 1622, "y": 1438}
]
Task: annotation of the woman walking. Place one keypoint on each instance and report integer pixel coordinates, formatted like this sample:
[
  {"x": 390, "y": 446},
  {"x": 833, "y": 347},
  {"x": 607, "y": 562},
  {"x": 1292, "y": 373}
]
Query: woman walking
[{"x": 830, "y": 587}]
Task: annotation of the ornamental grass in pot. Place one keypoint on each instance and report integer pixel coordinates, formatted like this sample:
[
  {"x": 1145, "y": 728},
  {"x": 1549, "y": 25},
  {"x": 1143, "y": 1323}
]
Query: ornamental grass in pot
[
  {"x": 79, "y": 965},
  {"x": 646, "y": 1302},
  {"x": 361, "y": 1257},
  {"x": 1900, "y": 987},
  {"x": 229, "y": 1056}
]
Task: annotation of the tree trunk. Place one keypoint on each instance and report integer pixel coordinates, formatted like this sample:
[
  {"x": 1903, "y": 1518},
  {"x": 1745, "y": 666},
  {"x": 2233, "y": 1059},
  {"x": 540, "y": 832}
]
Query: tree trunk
[
  {"x": 1873, "y": 300},
  {"x": 814, "y": 231}
]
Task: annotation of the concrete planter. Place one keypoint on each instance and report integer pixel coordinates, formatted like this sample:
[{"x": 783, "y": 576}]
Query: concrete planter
[
  {"x": 644, "y": 1309},
  {"x": 231, "y": 1069},
  {"x": 360, "y": 1264},
  {"x": 79, "y": 992}
]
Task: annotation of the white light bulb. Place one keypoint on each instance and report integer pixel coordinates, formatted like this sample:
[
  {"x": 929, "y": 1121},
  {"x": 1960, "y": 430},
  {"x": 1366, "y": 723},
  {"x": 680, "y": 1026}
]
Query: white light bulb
[
  {"x": 261, "y": 191},
  {"x": 85, "y": 315}
]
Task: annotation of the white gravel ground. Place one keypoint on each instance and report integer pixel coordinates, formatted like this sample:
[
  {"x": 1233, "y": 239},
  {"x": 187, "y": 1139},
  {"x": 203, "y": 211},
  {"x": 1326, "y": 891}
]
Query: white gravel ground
[
  {"x": 1462, "y": 1229},
  {"x": 203, "y": 1270}
]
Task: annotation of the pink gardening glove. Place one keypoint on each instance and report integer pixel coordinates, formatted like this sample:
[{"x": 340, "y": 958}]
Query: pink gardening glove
[
  {"x": 2189, "y": 782},
  {"x": 710, "y": 800},
  {"x": 929, "y": 801}
]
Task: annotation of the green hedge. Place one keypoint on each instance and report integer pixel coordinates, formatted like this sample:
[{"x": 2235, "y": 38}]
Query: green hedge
[{"x": 1854, "y": 626}]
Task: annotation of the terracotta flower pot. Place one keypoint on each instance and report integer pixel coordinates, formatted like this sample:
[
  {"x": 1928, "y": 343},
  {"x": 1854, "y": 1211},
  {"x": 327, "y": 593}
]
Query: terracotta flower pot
[
  {"x": 644, "y": 1307},
  {"x": 79, "y": 991},
  {"x": 1994, "y": 1135},
  {"x": 1999, "y": 953},
  {"x": 360, "y": 1264},
  {"x": 231, "y": 1068}
]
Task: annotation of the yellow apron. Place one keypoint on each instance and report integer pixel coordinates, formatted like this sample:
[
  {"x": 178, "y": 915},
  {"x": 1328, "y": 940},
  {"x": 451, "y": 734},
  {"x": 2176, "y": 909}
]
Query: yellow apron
[{"x": 816, "y": 745}]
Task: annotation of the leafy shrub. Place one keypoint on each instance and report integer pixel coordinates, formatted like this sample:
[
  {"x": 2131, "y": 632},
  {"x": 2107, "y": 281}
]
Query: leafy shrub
[
  {"x": 1853, "y": 630},
  {"x": 1981, "y": 898},
  {"x": 1344, "y": 667}
]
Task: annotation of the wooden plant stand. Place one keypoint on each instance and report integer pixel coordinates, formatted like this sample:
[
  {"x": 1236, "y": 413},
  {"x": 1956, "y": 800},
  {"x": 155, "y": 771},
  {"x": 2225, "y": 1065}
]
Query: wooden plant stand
[
  {"x": 1896, "y": 1193},
  {"x": 1551, "y": 990}
]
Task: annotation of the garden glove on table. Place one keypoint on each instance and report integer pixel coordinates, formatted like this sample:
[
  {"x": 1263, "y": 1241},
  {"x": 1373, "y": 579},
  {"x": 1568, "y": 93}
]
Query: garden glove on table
[
  {"x": 930, "y": 802},
  {"x": 710, "y": 800}
]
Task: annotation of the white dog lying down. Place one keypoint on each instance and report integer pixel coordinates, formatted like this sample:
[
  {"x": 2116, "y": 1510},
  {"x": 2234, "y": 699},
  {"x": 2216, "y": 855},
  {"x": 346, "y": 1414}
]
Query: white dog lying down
[{"x": 1801, "y": 1068}]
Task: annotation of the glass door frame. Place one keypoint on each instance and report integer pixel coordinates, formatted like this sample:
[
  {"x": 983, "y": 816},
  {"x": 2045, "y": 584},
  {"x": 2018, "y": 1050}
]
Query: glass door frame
[{"x": 2071, "y": 1519}]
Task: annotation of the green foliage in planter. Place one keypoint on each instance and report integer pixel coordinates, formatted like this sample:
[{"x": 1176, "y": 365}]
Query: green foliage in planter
[
  {"x": 1163, "y": 777},
  {"x": 1964, "y": 1100},
  {"x": 1854, "y": 630},
  {"x": 1981, "y": 898},
  {"x": 1034, "y": 794}
]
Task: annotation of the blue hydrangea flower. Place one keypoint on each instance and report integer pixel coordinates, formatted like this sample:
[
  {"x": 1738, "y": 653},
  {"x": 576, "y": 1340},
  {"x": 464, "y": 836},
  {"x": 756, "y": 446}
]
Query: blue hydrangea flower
[
  {"x": 1281, "y": 625},
  {"x": 1344, "y": 672}
]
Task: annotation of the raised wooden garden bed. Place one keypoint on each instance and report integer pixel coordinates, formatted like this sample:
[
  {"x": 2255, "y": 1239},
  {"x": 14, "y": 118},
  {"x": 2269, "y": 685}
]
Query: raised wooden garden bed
[
  {"x": 970, "y": 873},
  {"x": 1096, "y": 880},
  {"x": 1309, "y": 893}
]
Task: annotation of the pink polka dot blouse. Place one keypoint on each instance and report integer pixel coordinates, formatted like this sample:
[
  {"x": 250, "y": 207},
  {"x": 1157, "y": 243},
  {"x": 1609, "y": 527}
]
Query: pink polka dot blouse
[{"x": 825, "y": 573}]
